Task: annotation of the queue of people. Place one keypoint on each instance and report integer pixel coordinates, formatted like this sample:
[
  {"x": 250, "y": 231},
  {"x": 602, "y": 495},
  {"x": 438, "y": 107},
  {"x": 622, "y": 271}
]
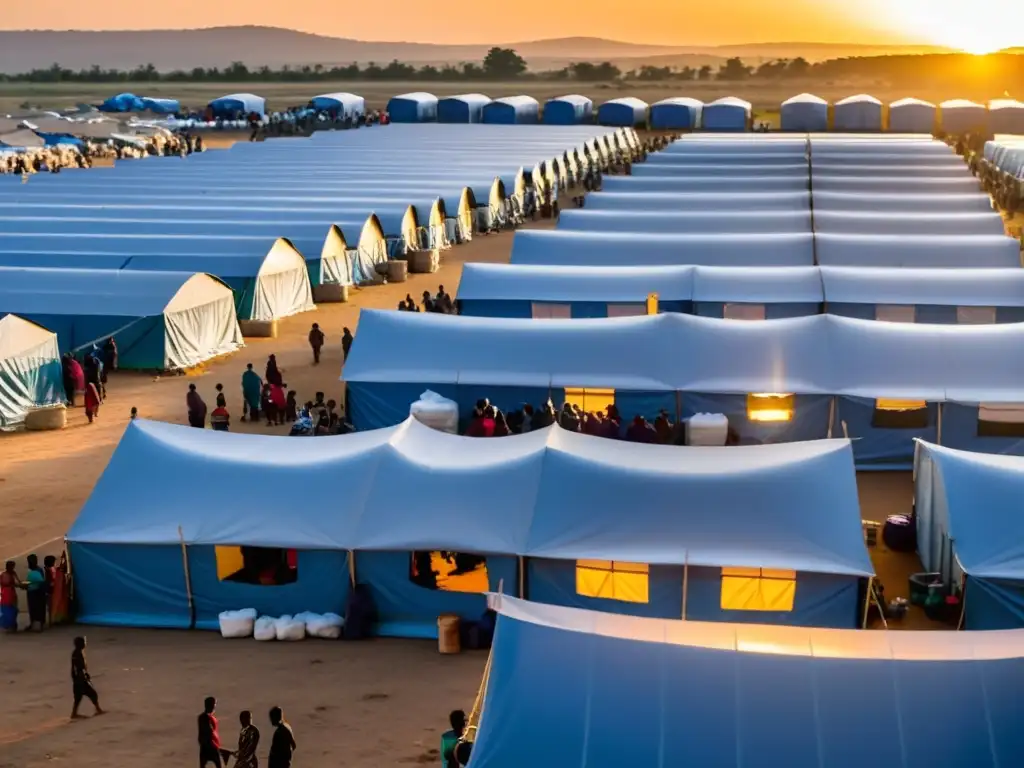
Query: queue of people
[
  {"x": 89, "y": 377},
  {"x": 441, "y": 303}
]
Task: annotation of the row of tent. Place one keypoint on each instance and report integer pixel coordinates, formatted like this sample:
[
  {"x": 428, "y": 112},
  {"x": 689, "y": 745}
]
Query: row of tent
[
  {"x": 864, "y": 113},
  {"x": 561, "y": 510},
  {"x": 222, "y": 107},
  {"x": 966, "y": 296},
  {"x": 1007, "y": 154}
]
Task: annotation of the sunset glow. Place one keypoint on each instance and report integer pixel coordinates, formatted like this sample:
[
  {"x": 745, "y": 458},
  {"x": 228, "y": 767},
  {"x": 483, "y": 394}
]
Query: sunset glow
[{"x": 981, "y": 26}]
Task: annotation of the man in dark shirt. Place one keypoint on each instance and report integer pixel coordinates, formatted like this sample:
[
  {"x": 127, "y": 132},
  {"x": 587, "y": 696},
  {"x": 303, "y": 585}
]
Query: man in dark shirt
[
  {"x": 282, "y": 745},
  {"x": 81, "y": 682},
  {"x": 209, "y": 735},
  {"x": 346, "y": 343}
]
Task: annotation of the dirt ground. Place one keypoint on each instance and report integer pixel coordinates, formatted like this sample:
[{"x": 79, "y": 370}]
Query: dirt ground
[{"x": 376, "y": 703}]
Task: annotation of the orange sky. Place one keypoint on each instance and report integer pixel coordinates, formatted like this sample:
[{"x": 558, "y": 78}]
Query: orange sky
[{"x": 668, "y": 22}]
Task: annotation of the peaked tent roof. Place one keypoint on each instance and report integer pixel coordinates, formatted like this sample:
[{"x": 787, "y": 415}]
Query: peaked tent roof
[
  {"x": 983, "y": 512},
  {"x": 20, "y": 337},
  {"x": 741, "y": 696},
  {"x": 806, "y": 516}
]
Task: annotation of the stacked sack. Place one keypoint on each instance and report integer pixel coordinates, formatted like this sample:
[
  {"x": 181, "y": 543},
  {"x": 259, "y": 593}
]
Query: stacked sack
[{"x": 327, "y": 626}]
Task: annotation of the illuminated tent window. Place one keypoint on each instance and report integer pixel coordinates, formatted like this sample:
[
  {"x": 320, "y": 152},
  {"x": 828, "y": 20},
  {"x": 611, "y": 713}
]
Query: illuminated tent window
[
  {"x": 590, "y": 400},
  {"x": 1001, "y": 420},
  {"x": 449, "y": 572},
  {"x": 895, "y": 313},
  {"x": 627, "y": 310},
  {"x": 900, "y": 414},
  {"x": 264, "y": 566},
  {"x": 758, "y": 589},
  {"x": 551, "y": 311},
  {"x": 770, "y": 407},
  {"x": 743, "y": 312},
  {"x": 612, "y": 580},
  {"x": 976, "y": 315}
]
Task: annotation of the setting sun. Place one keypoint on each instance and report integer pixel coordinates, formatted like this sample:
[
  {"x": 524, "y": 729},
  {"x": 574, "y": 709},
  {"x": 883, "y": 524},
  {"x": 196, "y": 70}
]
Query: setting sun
[{"x": 981, "y": 26}]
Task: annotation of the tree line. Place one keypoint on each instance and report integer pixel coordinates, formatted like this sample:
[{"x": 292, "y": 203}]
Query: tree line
[{"x": 503, "y": 64}]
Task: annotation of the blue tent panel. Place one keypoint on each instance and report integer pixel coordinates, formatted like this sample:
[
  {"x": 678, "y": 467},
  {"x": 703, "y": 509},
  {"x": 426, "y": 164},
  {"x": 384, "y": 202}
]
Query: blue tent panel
[
  {"x": 726, "y": 114},
  {"x": 679, "y": 114},
  {"x": 123, "y": 102},
  {"x": 467, "y": 108},
  {"x": 805, "y": 113},
  {"x": 413, "y": 108},
  {"x": 512, "y": 110},
  {"x": 568, "y": 110},
  {"x": 161, "y": 106},
  {"x": 626, "y": 112},
  {"x": 246, "y": 103}
]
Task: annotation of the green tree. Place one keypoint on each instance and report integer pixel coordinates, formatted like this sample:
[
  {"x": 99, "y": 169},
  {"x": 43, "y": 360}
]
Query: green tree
[
  {"x": 704, "y": 73},
  {"x": 503, "y": 64},
  {"x": 798, "y": 67},
  {"x": 734, "y": 69}
]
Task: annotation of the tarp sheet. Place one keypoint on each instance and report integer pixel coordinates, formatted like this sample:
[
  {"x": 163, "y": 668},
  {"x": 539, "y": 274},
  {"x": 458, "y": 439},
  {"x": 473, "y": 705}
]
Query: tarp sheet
[{"x": 30, "y": 371}]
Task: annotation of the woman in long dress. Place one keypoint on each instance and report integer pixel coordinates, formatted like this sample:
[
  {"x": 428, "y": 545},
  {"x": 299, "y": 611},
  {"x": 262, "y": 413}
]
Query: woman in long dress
[{"x": 9, "y": 581}]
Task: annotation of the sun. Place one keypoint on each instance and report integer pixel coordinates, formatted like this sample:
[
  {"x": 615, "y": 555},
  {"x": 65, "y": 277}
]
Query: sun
[{"x": 979, "y": 27}]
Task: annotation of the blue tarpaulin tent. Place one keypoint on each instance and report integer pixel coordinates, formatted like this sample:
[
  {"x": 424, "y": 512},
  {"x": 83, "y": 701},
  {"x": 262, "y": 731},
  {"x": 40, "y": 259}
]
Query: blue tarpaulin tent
[
  {"x": 912, "y": 116},
  {"x": 465, "y": 108},
  {"x": 588, "y": 248},
  {"x": 512, "y": 110},
  {"x": 805, "y": 113},
  {"x": 839, "y": 370},
  {"x": 238, "y": 103},
  {"x": 850, "y": 202},
  {"x": 627, "y": 112},
  {"x": 676, "y": 114},
  {"x": 161, "y": 106},
  {"x": 626, "y": 691},
  {"x": 726, "y": 114},
  {"x": 160, "y": 320},
  {"x": 123, "y": 102},
  {"x": 30, "y": 370},
  {"x": 969, "y": 525},
  {"x": 568, "y": 110},
  {"x": 342, "y": 104},
  {"x": 861, "y": 113},
  {"x": 963, "y": 116},
  {"x": 903, "y": 224},
  {"x": 797, "y": 505},
  {"x": 706, "y": 183},
  {"x": 416, "y": 107}
]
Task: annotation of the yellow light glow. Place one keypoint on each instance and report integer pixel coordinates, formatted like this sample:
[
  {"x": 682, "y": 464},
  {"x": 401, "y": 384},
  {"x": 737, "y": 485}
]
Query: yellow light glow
[
  {"x": 770, "y": 407},
  {"x": 887, "y": 404},
  {"x": 983, "y": 26}
]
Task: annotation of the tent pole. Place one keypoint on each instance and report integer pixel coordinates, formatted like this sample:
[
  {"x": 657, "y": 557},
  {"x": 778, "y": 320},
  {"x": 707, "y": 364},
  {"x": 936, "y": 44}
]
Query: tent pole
[
  {"x": 352, "y": 567},
  {"x": 686, "y": 581},
  {"x": 963, "y": 602},
  {"x": 881, "y": 609},
  {"x": 831, "y": 416},
  {"x": 68, "y": 575},
  {"x": 938, "y": 427},
  {"x": 522, "y": 577},
  {"x": 188, "y": 580},
  {"x": 867, "y": 603}
]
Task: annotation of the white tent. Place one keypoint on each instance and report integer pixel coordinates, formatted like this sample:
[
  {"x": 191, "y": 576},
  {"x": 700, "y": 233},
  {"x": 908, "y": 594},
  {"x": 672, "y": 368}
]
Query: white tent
[
  {"x": 30, "y": 371},
  {"x": 912, "y": 116}
]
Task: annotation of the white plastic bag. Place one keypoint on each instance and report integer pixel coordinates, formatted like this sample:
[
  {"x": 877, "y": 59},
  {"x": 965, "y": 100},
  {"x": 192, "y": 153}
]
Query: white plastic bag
[
  {"x": 436, "y": 412},
  {"x": 264, "y": 629},
  {"x": 237, "y": 623},
  {"x": 306, "y": 617},
  {"x": 289, "y": 629},
  {"x": 326, "y": 627}
]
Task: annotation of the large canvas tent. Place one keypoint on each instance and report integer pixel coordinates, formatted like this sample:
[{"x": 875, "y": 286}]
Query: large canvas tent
[
  {"x": 1006, "y": 116},
  {"x": 238, "y": 103},
  {"x": 625, "y": 691},
  {"x": 693, "y": 202},
  {"x": 686, "y": 222},
  {"x": 796, "y": 506},
  {"x": 969, "y": 529},
  {"x": 963, "y": 116},
  {"x": 726, "y": 114},
  {"x": 687, "y": 184},
  {"x": 464, "y": 108},
  {"x": 627, "y": 112},
  {"x": 583, "y": 248},
  {"x": 342, "y": 104},
  {"x": 875, "y": 223},
  {"x": 512, "y": 110},
  {"x": 30, "y": 370},
  {"x": 804, "y": 113},
  {"x": 160, "y": 320},
  {"x": 883, "y": 383},
  {"x": 853, "y": 202},
  {"x": 269, "y": 277},
  {"x": 861, "y": 113},
  {"x": 912, "y": 116},
  {"x": 416, "y": 107},
  {"x": 964, "y": 251},
  {"x": 676, "y": 114},
  {"x": 567, "y": 110}
]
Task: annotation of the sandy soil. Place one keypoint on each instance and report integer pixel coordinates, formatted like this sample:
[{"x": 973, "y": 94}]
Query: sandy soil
[{"x": 367, "y": 704}]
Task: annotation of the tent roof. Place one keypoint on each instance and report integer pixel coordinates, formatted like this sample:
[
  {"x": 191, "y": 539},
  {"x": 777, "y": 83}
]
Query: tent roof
[
  {"x": 821, "y": 354},
  {"x": 105, "y": 292},
  {"x": 982, "y": 501},
  {"x": 469, "y": 98},
  {"x": 342, "y": 97},
  {"x": 861, "y": 98},
  {"x": 961, "y": 104},
  {"x": 911, "y": 102},
  {"x": 730, "y": 101},
  {"x": 572, "y": 98},
  {"x": 679, "y": 101},
  {"x": 961, "y": 287},
  {"x": 505, "y": 282},
  {"x": 418, "y": 96},
  {"x": 628, "y": 101},
  {"x": 18, "y": 336},
  {"x": 564, "y": 496},
  {"x": 517, "y": 101},
  {"x": 997, "y": 104},
  {"x": 733, "y": 696},
  {"x": 805, "y": 98},
  {"x": 774, "y": 285}
]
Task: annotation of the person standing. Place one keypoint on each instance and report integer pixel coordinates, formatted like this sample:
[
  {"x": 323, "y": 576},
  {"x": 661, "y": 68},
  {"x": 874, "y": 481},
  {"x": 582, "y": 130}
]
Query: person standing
[
  {"x": 450, "y": 739},
  {"x": 92, "y": 402},
  {"x": 346, "y": 342},
  {"x": 248, "y": 740},
  {"x": 282, "y": 745},
  {"x": 273, "y": 374},
  {"x": 9, "y": 582},
  {"x": 35, "y": 588},
  {"x": 81, "y": 680},
  {"x": 68, "y": 378},
  {"x": 196, "y": 408},
  {"x": 209, "y": 735},
  {"x": 252, "y": 387},
  {"x": 316, "y": 341}
]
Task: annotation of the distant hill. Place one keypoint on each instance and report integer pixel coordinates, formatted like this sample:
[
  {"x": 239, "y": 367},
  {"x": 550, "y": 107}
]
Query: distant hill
[{"x": 168, "y": 50}]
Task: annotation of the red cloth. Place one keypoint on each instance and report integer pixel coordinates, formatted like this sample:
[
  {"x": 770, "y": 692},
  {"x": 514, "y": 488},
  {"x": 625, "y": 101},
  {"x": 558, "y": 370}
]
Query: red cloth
[
  {"x": 480, "y": 427},
  {"x": 277, "y": 396},
  {"x": 77, "y": 374},
  {"x": 214, "y": 732},
  {"x": 92, "y": 398}
]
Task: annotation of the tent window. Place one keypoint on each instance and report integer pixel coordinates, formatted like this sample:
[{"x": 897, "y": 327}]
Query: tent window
[
  {"x": 758, "y": 589},
  {"x": 900, "y": 414},
  {"x": 1001, "y": 420},
  {"x": 449, "y": 572},
  {"x": 590, "y": 400},
  {"x": 770, "y": 407},
  {"x": 627, "y": 310},
  {"x": 743, "y": 312},
  {"x": 263, "y": 566},
  {"x": 551, "y": 311},
  {"x": 895, "y": 313},
  {"x": 613, "y": 580},
  {"x": 976, "y": 315}
]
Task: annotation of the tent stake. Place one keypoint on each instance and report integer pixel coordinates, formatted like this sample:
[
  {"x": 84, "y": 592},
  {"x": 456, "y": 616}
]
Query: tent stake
[{"x": 188, "y": 580}]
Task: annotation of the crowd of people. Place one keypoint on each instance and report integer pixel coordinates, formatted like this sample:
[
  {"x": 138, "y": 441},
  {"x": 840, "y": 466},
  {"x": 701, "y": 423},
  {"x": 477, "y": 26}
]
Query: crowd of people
[
  {"x": 212, "y": 751},
  {"x": 57, "y": 157},
  {"x": 89, "y": 376},
  {"x": 269, "y": 398},
  {"x": 489, "y": 421},
  {"x": 46, "y": 593},
  {"x": 440, "y": 303}
]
